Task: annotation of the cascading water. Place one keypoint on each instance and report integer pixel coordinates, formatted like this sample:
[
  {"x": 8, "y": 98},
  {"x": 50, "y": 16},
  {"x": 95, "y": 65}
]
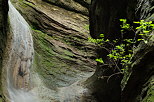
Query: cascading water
[{"x": 20, "y": 59}]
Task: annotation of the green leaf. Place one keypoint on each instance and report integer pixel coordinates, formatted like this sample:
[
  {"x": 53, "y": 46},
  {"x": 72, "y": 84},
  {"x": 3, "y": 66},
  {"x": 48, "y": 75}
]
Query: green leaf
[
  {"x": 101, "y": 35},
  {"x": 145, "y": 31},
  {"x": 100, "y": 60},
  {"x": 136, "y": 22},
  {"x": 122, "y": 69},
  {"x": 110, "y": 55},
  {"x": 138, "y": 27},
  {"x": 122, "y": 20},
  {"x": 107, "y": 40},
  {"x": 141, "y": 34}
]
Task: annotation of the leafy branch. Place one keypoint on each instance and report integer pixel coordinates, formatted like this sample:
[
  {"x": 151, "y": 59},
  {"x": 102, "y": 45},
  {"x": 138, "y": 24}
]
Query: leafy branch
[{"x": 123, "y": 52}]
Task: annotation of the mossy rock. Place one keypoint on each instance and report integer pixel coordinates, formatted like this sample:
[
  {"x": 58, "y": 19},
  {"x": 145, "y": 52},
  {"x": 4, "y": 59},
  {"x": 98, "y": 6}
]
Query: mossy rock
[
  {"x": 56, "y": 65},
  {"x": 149, "y": 93}
]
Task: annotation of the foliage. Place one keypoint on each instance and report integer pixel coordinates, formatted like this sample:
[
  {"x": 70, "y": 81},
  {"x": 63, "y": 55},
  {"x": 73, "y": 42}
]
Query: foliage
[
  {"x": 99, "y": 60},
  {"x": 145, "y": 28},
  {"x": 122, "y": 52}
]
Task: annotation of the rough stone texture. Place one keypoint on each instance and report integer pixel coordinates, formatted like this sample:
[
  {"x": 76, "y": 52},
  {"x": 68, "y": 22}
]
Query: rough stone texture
[
  {"x": 141, "y": 77},
  {"x": 145, "y": 8},
  {"x": 58, "y": 28},
  {"x": 79, "y": 6},
  {"x": 63, "y": 54},
  {"x": 104, "y": 19},
  {"x": 148, "y": 91},
  {"x": 3, "y": 35},
  {"x": 3, "y": 21},
  {"x": 3, "y": 26}
]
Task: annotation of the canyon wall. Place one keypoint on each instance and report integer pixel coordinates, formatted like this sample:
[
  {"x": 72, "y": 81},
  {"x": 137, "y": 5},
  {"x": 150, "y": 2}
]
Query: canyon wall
[
  {"x": 104, "y": 19},
  {"x": 3, "y": 35}
]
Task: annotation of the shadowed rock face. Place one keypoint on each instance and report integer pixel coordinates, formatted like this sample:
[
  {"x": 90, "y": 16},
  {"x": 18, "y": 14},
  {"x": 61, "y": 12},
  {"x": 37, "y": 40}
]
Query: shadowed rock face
[
  {"x": 3, "y": 35},
  {"x": 3, "y": 27},
  {"x": 63, "y": 54},
  {"x": 142, "y": 75},
  {"x": 72, "y": 5},
  {"x": 145, "y": 9},
  {"x": 3, "y": 22},
  {"x": 104, "y": 18}
]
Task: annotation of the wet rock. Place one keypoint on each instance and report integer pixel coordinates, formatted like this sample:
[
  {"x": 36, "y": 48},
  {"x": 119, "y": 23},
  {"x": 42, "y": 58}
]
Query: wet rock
[{"x": 63, "y": 54}]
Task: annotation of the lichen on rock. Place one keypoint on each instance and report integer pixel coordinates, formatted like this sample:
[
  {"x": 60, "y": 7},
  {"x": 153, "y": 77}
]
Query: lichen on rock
[{"x": 63, "y": 54}]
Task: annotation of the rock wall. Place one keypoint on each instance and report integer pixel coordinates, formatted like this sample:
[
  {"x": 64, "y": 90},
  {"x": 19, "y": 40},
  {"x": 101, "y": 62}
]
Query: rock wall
[
  {"x": 3, "y": 35},
  {"x": 3, "y": 26},
  {"x": 63, "y": 54},
  {"x": 104, "y": 18},
  {"x": 141, "y": 77},
  {"x": 79, "y": 6}
]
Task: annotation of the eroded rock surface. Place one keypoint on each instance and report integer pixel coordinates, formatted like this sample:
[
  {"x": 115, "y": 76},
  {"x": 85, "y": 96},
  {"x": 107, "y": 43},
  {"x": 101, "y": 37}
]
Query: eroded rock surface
[
  {"x": 63, "y": 54},
  {"x": 3, "y": 35},
  {"x": 104, "y": 19}
]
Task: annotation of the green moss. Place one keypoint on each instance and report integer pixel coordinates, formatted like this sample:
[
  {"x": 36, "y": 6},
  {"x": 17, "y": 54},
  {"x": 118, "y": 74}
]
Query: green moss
[
  {"x": 23, "y": 3},
  {"x": 150, "y": 93},
  {"x": 51, "y": 62},
  {"x": 66, "y": 52}
]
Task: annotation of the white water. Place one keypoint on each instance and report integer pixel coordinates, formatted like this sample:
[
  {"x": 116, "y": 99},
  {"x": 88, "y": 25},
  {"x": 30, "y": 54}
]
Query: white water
[{"x": 20, "y": 59}]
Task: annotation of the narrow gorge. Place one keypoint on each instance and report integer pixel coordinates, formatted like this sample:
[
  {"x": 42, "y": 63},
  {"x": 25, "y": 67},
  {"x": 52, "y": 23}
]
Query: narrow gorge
[
  {"x": 46, "y": 54},
  {"x": 60, "y": 63}
]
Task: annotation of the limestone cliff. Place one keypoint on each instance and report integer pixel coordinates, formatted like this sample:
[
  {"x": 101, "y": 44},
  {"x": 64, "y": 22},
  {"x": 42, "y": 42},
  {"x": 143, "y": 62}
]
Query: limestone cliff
[{"x": 63, "y": 54}]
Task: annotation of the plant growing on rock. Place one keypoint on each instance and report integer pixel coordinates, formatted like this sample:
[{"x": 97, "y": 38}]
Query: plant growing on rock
[{"x": 121, "y": 51}]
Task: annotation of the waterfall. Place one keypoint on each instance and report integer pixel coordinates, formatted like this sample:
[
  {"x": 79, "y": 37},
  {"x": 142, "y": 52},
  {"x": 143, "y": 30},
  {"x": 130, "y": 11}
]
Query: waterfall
[{"x": 20, "y": 59}]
